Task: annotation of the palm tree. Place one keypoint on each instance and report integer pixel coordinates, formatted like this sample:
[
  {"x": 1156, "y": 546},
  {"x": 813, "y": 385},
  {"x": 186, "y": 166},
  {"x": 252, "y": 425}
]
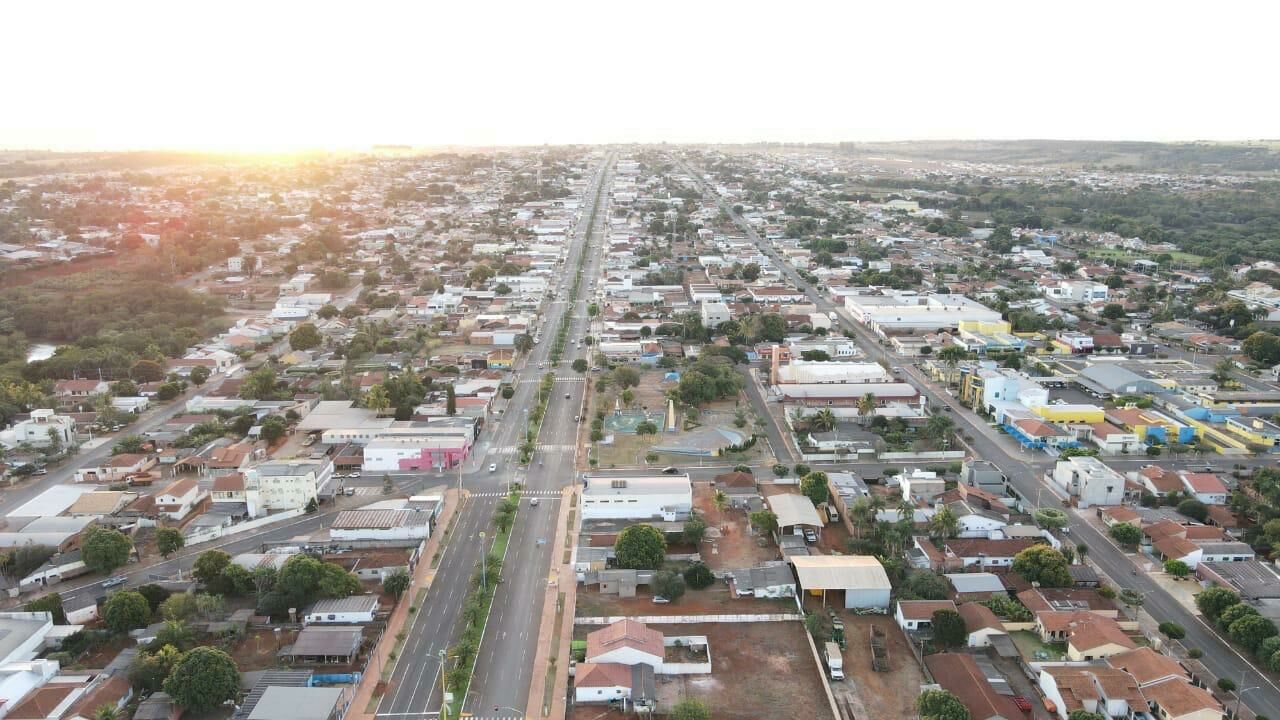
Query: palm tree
[
  {"x": 377, "y": 399},
  {"x": 866, "y": 406},
  {"x": 720, "y": 500},
  {"x": 944, "y": 524},
  {"x": 860, "y": 516},
  {"x": 823, "y": 421},
  {"x": 106, "y": 712}
]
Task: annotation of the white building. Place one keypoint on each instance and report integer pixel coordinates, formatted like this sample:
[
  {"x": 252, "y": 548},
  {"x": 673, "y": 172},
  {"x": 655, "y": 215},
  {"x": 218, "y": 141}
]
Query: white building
[
  {"x": 342, "y": 611},
  {"x": 636, "y": 497},
  {"x": 893, "y": 314},
  {"x": 1089, "y": 480},
  {"x": 44, "y": 425},
  {"x": 286, "y": 485},
  {"x": 398, "y": 522},
  {"x": 715, "y": 314}
]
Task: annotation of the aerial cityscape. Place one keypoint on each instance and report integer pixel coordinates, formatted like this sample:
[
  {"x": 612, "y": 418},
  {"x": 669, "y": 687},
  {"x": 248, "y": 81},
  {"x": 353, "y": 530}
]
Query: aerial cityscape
[{"x": 478, "y": 404}]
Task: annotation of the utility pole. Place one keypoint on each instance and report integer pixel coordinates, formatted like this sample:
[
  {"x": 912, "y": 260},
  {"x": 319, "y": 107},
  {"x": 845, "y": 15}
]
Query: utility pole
[{"x": 444, "y": 692}]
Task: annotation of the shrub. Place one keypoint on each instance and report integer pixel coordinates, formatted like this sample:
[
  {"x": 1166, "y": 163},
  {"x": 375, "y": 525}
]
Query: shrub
[{"x": 1173, "y": 631}]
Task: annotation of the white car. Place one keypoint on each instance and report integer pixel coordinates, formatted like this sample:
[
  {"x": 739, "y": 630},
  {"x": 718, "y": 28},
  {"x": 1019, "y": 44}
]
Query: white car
[{"x": 493, "y": 467}]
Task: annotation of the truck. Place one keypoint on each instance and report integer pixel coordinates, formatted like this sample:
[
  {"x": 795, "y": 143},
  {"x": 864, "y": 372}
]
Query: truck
[{"x": 835, "y": 661}]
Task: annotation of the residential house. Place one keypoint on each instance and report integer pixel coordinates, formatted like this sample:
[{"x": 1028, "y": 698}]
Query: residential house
[
  {"x": 959, "y": 674},
  {"x": 915, "y": 615},
  {"x": 178, "y": 499}
]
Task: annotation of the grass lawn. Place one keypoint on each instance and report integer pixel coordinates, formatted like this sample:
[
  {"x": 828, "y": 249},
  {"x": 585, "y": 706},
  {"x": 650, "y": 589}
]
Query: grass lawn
[
  {"x": 1177, "y": 255},
  {"x": 1029, "y": 644}
]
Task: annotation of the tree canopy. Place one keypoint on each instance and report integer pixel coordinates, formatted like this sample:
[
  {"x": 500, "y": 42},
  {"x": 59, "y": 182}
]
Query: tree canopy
[{"x": 641, "y": 547}]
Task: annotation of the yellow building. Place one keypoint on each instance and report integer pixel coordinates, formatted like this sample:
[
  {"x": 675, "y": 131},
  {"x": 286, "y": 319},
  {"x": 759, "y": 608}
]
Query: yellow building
[{"x": 1070, "y": 413}]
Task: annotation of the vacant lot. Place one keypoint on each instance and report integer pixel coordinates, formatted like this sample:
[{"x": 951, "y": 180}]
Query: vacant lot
[
  {"x": 757, "y": 670},
  {"x": 872, "y": 694},
  {"x": 714, "y": 600},
  {"x": 736, "y": 547}
]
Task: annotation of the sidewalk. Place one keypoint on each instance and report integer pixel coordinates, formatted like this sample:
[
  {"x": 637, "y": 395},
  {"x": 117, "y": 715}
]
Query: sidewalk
[
  {"x": 423, "y": 575},
  {"x": 553, "y": 652}
]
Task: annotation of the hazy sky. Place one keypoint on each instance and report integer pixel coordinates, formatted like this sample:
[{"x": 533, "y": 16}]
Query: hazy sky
[{"x": 268, "y": 75}]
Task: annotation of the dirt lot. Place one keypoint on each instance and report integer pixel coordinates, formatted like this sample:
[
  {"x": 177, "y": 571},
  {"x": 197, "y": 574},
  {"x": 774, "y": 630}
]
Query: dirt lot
[
  {"x": 736, "y": 548},
  {"x": 874, "y": 694},
  {"x": 714, "y": 600},
  {"x": 757, "y": 670},
  {"x": 258, "y": 649}
]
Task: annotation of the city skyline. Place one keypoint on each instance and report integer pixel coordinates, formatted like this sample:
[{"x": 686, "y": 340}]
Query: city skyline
[{"x": 281, "y": 78}]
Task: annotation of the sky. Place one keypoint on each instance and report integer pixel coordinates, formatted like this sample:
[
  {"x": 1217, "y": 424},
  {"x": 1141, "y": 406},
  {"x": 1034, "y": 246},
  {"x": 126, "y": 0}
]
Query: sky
[{"x": 282, "y": 76}]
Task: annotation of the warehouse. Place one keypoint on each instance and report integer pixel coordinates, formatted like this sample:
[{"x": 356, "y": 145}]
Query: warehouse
[{"x": 860, "y": 578}]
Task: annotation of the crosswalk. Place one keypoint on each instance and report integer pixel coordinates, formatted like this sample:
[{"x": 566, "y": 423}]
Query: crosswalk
[
  {"x": 541, "y": 447},
  {"x": 551, "y": 494}
]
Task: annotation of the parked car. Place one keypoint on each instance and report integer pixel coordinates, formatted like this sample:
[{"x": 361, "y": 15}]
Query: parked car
[
  {"x": 810, "y": 536},
  {"x": 659, "y": 600},
  {"x": 115, "y": 581},
  {"x": 671, "y": 470}
]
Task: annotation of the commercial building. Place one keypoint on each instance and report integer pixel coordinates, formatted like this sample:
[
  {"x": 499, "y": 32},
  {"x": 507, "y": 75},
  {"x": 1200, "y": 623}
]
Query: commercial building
[
  {"x": 278, "y": 486},
  {"x": 860, "y": 578},
  {"x": 640, "y": 496},
  {"x": 1089, "y": 480},
  {"x": 907, "y": 314}
]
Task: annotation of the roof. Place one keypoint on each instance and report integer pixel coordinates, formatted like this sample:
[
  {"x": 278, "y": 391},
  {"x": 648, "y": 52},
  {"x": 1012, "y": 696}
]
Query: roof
[
  {"x": 1147, "y": 665},
  {"x": 959, "y": 675},
  {"x": 1179, "y": 697},
  {"x": 736, "y": 479},
  {"x": 354, "y": 603},
  {"x": 602, "y": 675},
  {"x": 973, "y": 547},
  {"x": 979, "y": 617},
  {"x": 624, "y": 634},
  {"x": 1205, "y": 483},
  {"x": 923, "y": 609},
  {"x": 41, "y": 702},
  {"x": 231, "y": 482},
  {"x": 1174, "y": 547},
  {"x": 978, "y": 582},
  {"x": 97, "y": 502},
  {"x": 794, "y": 510},
  {"x": 314, "y": 641},
  {"x": 296, "y": 703},
  {"x": 614, "y": 484},
  {"x": 1079, "y": 683},
  {"x": 839, "y": 572},
  {"x": 379, "y": 519},
  {"x": 180, "y": 488}
]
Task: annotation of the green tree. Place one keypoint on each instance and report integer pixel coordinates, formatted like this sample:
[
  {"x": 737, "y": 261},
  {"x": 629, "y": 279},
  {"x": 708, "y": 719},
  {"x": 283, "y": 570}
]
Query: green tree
[
  {"x": 1081, "y": 714},
  {"x": 149, "y": 669},
  {"x": 764, "y": 521},
  {"x": 940, "y": 705},
  {"x": 1042, "y": 564},
  {"x": 694, "y": 530},
  {"x": 199, "y": 375},
  {"x": 815, "y": 487},
  {"x": 1234, "y": 613},
  {"x": 328, "y": 312},
  {"x": 867, "y": 406},
  {"x": 1251, "y": 630},
  {"x": 1174, "y": 631},
  {"x": 50, "y": 603},
  {"x": 949, "y": 629},
  {"x": 176, "y": 633},
  {"x": 179, "y": 607},
  {"x": 1194, "y": 509},
  {"x": 690, "y": 709},
  {"x": 641, "y": 547},
  {"x": 260, "y": 385},
  {"x": 104, "y": 549},
  {"x": 523, "y": 343},
  {"x": 1263, "y": 348},
  {"x": 125, "y": 611},
  {"x": 944, "y": 524},
  {"x": 209, "y": 566},
  {"x": 155, "y": 596},
  {"x": 396, "y": 583},
  {"x": 203, "y": 679},
  {"x": 273, "y": 428},
  {"x": 698, "y": 576},
  {"x": 924, "y": 585},
  {"x": 1177, "y": 568},
  {"x": 1126, "y": 534},
  {"x": 781, "y": 470},
  {"x": 377, "y": 398},
  {"x": 305, "y": 337},
  {"x": 1213, "y": 601},
  {"x": 580, "y": 365},
  {"x": 169, "y": 541},
  {"x": 668, "y": 584},
  {"x": 1113, "y": 311}
]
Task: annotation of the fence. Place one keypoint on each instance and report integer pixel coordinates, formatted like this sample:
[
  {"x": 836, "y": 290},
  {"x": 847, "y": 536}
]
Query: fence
[
  {"x": 214, "y": 533},
  {"x": 673, "y": 619},
  {"x": 935, "y": 455}
]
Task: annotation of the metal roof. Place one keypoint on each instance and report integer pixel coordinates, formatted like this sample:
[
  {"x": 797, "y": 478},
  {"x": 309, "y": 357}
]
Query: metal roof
[
  {"x": 320, "y": 641},
  {"x": 840, "y": 572},
  {"x": 794, "y": 510}
]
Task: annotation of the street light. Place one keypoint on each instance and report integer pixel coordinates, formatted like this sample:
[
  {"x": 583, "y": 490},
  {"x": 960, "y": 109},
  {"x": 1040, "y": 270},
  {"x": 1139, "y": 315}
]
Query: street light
[{"x": 483, "y": 563}]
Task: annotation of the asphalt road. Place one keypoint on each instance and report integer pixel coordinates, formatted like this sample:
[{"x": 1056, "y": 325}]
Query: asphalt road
[
  {"x": 1025, "y": 471},
  {"x": 506, "y": 651}
]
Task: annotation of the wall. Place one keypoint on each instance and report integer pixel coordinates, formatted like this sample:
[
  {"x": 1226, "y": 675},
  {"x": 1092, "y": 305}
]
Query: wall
[{"x": 215, "y": 533}]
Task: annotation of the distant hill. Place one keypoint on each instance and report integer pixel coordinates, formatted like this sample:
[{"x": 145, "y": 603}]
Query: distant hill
[{"x": 1260, "y": 156}]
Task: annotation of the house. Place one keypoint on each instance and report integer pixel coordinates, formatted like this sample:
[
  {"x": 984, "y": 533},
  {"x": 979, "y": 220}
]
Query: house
[
  {"x": 860, "y": 578},
  {"x": 611, "y": 682},
  {"x": 1094, "y": 688},
  {"x": 1205, "y": 487},
  {"x": 325, "y": 645},
  {"x": 626, "y": 642},
  {"x": 739, "y": 487},
  {"x": 117, "y": 468},
  {"x": 981, "y": 625},
  {"x": 348, "y": 610},
  {"x": 1180, "y": 700},
  {"x": 769, "y": 581},
  {"x": 959, "y": 674},
  {"x": 914, "y": 615},
  {"x": 300, "y": 703},
  {"x": 1089, "y": 481},
  {"x": 72, "y": 393},
  {"x": 177, "y": 500},
  {"x": 43, "y": 428},
  {"x": 1147, "y": 666},
  {"x": 921, "y": 485},
  {"x": 636, "y": 496},
  {"x": 1089, "y": 636},
  {"x": 975, "y": 586}
]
